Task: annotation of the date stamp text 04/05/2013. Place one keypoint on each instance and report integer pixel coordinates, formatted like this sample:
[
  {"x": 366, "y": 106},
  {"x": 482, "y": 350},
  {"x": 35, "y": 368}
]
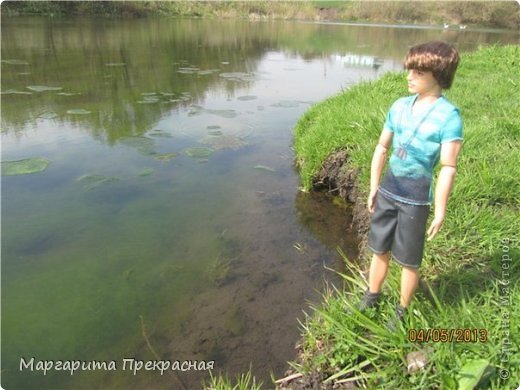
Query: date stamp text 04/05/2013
[{"x": 444, "y": 335}]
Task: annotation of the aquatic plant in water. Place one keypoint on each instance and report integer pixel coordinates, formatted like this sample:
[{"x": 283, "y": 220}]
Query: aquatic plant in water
[
  {"x": 238, "y": 76},
  {"x": 15, "y": 62},
  {"x": 93, "y": 181},
  {"x": 264, "y": 168},
  {"x": 165, "y": 156},
  {"x": 286, "y": 104},
  {"x": 78, "y": 111},
  {"x": 48, "y": 115},
  {"x": 160, "y": 134},
  {"x": 218, "y": 271},
  {"x": 43, "y": 88},
  {"x": 220, "y": 142},
  {"x": 235, "y": 321},
  {"x": 15, "y": 92},
  {"x": 145, "y": 172},
  {"x": 25, "y": 166},
  {"x": 198, "y": 110},
  {"x": 143, "y": 145},
  {"x": 148, "y": 99},
  {"x": 247, "y": 97},
  {"x": 199, "y": 152}
]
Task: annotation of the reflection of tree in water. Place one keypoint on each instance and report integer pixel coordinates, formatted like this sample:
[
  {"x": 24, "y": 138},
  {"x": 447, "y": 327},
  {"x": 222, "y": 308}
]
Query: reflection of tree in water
[
  {"x": 126, "y": 72},
  {"x": 127, "y": 75}
]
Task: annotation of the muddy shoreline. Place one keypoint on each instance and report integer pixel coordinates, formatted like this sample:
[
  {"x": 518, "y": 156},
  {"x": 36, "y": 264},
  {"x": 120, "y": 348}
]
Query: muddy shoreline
[{"x": 338, "y": 178}]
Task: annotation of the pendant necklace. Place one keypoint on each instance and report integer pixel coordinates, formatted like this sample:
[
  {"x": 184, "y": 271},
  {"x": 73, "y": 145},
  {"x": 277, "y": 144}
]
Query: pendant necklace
[{"x": 402, "y": 151}]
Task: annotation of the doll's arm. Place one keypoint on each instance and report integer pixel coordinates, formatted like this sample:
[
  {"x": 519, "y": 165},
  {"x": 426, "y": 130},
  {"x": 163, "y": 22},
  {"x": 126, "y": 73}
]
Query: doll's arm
[
  {"x": 378, "y": 163},
  {"x": 449, "y": 153}
]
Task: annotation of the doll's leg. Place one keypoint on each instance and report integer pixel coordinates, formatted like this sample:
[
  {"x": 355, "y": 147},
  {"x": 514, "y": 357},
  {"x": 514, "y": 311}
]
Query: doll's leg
[
  {"x": 378, "y": 271},
  {"x": 409, "y": 282}
]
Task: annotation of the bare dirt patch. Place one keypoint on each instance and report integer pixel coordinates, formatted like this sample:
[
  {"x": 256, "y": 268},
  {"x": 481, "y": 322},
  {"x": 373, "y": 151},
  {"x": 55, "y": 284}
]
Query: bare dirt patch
[{"x": 338, "y": 177}]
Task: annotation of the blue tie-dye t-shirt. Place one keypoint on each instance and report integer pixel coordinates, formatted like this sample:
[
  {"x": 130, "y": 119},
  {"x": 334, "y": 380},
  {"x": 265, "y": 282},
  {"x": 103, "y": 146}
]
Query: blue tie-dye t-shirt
[{"x": 408, "y": 178}]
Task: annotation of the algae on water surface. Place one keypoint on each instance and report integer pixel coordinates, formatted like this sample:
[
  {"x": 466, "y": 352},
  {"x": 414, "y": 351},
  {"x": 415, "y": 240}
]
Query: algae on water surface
[{"x": 25, "y": 166}]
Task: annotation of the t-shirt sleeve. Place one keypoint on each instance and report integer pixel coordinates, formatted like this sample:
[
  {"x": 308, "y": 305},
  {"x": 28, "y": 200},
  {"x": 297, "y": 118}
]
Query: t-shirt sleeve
[
  {"x": 452, "y": 128},
  {"x": 390, "y": 118}
]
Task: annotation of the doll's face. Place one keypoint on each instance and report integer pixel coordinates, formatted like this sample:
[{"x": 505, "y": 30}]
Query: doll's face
[{"x": 421, "y": 82}]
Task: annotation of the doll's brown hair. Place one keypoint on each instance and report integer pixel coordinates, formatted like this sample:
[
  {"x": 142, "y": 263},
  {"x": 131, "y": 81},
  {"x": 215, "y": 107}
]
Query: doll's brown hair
[{"x": 438, "y": 57}]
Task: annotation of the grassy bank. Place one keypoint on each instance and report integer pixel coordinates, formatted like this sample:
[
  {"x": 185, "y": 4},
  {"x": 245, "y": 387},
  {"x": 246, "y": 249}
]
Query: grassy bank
[
  {"x": 472, "y": 282},
  {"x": 503, "y": 14}
]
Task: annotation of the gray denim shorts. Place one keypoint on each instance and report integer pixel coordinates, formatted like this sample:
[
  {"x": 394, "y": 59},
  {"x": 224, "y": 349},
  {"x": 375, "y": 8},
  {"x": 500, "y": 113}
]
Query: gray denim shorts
[{"x": 400, "y": 228}]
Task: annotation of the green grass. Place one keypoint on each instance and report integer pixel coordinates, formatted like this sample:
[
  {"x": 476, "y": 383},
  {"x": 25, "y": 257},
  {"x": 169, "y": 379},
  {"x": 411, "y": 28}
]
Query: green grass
[
  {"x": 359, "y": 347},
  {"x": 242, "y": 382},
  {"x": 463, "y": 265}
]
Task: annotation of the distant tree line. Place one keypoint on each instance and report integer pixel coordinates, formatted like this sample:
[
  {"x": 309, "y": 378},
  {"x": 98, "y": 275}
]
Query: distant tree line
[{"x": 497, "y": 14}]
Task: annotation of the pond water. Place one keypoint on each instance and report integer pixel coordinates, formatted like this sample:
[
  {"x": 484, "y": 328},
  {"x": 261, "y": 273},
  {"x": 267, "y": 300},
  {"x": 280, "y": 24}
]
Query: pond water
[{"x": 164, "y": 219}]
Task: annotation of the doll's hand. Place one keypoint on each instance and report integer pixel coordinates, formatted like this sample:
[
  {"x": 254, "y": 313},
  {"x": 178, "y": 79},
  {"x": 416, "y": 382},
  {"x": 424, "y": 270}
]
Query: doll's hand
[
  {"x": 371, "y": 202},
  {"x": 435, "y": 227}
]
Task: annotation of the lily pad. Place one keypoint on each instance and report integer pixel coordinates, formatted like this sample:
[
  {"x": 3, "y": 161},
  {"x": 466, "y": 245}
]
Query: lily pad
[
  {"x": 189, "y": 70},
  {"x": 48, "y": 115},
  {"x": 149, "y": 98},
  {"x": 93, "y": 181},
  {"x": 238, "y": 76},
  {"x": 264, "y": 168},
  {"x": 143, "y": 145},
  {"x": 43, "y": 88},
  {"x": 286, "y": 104},
  {"x": 207, "y": 72},
  {"x": 165, "y": 156},
  {"x": 186, "y": 96},
  {"x": 224, "y": 142},
  {"x": 15, "y": 92},
  {"x": 145, "y": 172},
  {"x": 24, "y": 167},
  {"x": 247, "y": 97},
  {"x": 198, "y": 110},
  {"x": 78, "y": 111},
  {"x": 160, "y": 134},
  {"x": 15, "y": 62},
  {"x": 199, "y": 152}
]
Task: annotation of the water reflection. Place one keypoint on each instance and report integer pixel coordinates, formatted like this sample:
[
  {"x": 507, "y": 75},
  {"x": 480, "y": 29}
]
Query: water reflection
[{"x": 114, "y": 68}]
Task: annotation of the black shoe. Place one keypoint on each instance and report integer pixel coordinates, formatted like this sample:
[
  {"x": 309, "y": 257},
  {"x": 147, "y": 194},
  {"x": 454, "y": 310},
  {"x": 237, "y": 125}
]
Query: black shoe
[
  {"x": 369, "y": 300},
  {"x": 394, "y": 322}
]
